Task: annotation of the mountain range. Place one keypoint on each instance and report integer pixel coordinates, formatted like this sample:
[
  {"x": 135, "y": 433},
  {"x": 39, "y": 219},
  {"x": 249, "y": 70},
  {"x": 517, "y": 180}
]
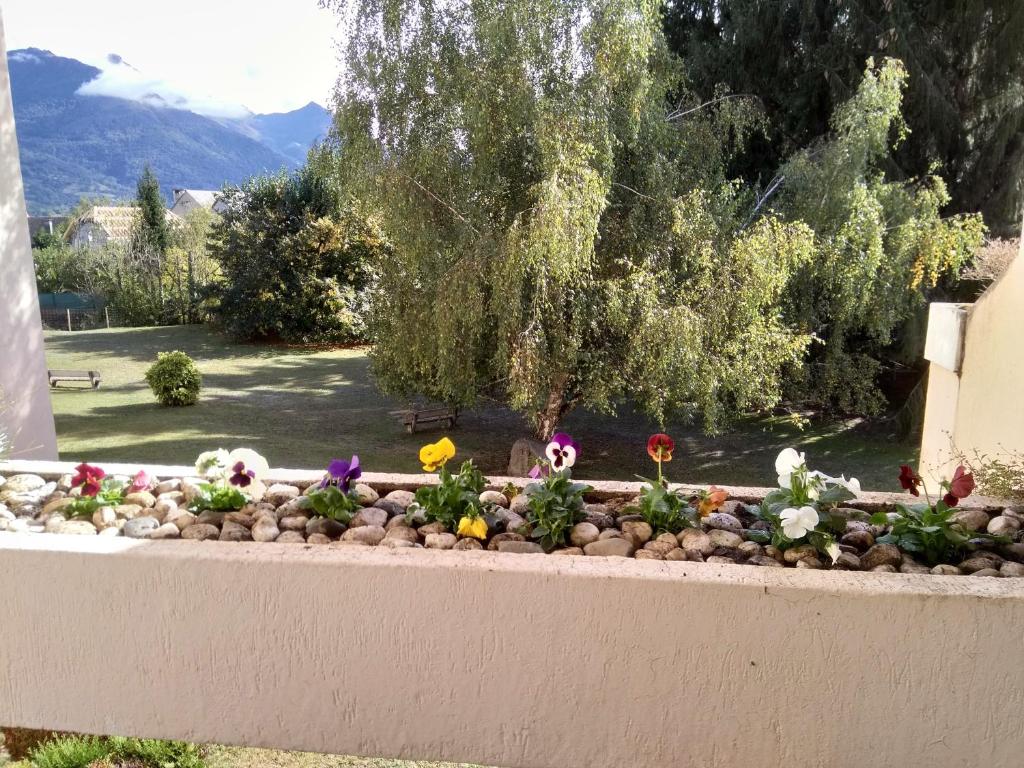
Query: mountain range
[{"x": 74, "y": 144}]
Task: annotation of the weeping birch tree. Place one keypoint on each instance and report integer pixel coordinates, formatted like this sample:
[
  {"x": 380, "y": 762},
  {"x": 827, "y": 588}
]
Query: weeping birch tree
[{"x": 563, "y": 234}]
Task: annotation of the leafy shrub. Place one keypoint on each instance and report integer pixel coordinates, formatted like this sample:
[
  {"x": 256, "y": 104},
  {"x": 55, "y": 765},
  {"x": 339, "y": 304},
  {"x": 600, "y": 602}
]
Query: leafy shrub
[
  {"x": 85, "y": 751},
  {"x": 174, "y": 379},
  {"x": 665, "y": 510},
  {"x": 296, "y": 259},
  {"x": 333, "y": 503}
]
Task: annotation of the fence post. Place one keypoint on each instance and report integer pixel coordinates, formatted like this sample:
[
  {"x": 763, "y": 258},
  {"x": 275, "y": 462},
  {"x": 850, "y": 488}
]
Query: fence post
[
  {"x": 69, "y": 318},
  {"x": 106, "y": 313}
]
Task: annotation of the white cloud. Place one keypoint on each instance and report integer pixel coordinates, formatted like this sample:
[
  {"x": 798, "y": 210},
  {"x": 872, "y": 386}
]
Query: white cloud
[
  {"x": 269, "y": 55},
  {"x": 120, "y": 79}
]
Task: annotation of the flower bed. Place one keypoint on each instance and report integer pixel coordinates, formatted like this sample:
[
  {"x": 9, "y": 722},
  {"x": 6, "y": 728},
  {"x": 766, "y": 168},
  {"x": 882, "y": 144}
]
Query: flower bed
[{"x": 811, "y": 521}]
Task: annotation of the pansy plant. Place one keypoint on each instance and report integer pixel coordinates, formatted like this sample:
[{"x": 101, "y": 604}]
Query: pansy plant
[
  {"x": 228, "y": 476},
  {"x": 665, "y": 510},
  {"x": 335, "y": 497},
  {"x": 929, "y": 530},
  {"x": 555, "y": 502},
  {"x": 97, "y": 489},
  {"x": 801, "y": 509},
  {"x": 455, "y": 500}
]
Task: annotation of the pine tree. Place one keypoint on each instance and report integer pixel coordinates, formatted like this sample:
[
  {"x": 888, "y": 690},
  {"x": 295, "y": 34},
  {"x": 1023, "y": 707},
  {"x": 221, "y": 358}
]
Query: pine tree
[{"x": 153, "y": 231}]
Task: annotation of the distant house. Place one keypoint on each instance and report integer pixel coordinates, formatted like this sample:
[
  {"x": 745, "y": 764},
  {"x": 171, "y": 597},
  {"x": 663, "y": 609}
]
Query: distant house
[
  {"x": 186, "y": 200},
  {"x": 106, "y": 224}
]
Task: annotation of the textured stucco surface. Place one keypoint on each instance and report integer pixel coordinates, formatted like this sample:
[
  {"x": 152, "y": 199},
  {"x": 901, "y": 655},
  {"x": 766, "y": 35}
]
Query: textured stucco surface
[
  {"x": 25, "y": 411},
  {"x": 981, "y": 411},
  {"x": 509, "y": 660}
]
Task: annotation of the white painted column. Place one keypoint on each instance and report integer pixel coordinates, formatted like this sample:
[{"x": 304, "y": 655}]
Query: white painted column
[{"x": 25, "y": 412}]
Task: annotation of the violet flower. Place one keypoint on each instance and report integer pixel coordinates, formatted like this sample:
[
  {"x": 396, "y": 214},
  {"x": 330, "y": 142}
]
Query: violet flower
[
  {"x": 342, "y": 473},
  {"x": 241, "y": 476}
]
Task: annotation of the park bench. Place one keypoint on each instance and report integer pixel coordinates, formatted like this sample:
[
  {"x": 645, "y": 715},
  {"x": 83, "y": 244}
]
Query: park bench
[
  {"x": 92, "y": 377},
  {"x": 413, "y": 417}
]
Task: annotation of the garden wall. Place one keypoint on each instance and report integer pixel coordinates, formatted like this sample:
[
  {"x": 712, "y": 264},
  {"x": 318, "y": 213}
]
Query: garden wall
[
  {"x": 510, "y": 660},
  {"x": 974, "y": 397},
  {"x": 25, "y": 414}
]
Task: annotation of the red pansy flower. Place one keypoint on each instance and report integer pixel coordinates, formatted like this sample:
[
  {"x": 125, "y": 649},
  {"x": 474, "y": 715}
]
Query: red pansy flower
[
  {"x": 960, "y": 487},
  {"x": 88, "y": 477},
  {"x": 660, "y": 447},
  {"x": 909, "y": 479}
]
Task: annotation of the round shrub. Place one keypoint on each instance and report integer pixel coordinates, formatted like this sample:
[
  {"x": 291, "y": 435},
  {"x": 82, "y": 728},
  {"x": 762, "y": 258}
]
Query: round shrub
[{"x": 174, "y": 379}]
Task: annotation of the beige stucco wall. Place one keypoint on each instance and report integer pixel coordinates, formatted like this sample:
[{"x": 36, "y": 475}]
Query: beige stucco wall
[
  {"x": 510, "y": 660},
  {"x": 27, "y": 417},
  {"x": 982, "y": 408}
]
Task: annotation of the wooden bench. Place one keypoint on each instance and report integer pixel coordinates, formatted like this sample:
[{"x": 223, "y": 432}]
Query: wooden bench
[
  {"x": 412, "y": 418},
  {"x": 92, "y": 377}
]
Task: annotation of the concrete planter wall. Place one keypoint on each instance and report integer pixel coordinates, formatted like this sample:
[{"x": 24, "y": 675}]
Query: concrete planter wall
[{"x": 512, "y": 660}]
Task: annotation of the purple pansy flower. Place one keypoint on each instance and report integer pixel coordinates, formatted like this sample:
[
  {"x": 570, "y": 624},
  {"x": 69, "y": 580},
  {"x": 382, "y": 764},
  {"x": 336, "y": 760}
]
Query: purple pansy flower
[
  {"x": 562, "y": 451},
  {"x": 240, "y": 475},
  {"x": 342, "y": 473}
]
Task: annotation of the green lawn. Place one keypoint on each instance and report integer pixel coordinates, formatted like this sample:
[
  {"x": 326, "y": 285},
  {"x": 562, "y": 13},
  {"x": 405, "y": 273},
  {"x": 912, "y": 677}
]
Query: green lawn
[{"x": 302, "y": 407}]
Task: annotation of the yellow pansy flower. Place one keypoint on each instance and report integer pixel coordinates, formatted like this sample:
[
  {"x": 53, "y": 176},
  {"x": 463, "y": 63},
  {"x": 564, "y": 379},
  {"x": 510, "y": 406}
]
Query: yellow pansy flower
[
  {"x": 434, "y": 455},
  {"x": 473, "y": 526}
]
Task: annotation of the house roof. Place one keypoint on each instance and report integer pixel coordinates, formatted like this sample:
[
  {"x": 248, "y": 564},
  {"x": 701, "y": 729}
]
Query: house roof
[
  {"x": 205, "y": 197},
  {"x": 115, "y": 220}
]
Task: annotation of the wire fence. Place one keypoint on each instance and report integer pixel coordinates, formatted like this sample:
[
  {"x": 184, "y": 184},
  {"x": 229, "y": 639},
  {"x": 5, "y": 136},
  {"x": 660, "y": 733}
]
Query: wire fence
[{"x": 80, "y": 319}]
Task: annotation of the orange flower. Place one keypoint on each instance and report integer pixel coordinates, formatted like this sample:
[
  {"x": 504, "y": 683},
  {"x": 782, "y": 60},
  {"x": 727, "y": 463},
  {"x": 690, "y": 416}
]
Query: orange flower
[
  {"x": 711, "y": 499},
  {"x": 660, "y": 447}
]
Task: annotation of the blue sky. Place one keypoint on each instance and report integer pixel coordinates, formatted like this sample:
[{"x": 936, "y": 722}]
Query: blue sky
[{"x": 219, "y": 55}]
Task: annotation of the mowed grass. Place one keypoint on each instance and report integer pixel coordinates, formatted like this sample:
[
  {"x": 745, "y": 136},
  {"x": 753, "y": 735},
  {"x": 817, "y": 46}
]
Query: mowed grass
[{"x": 302, "y": 407}]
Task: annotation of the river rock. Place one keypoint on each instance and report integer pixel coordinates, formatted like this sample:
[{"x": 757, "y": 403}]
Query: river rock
[
  {"x": 987, "y": 572},
  {"x": 402, "y": 498},
  {"x": 637, "y": 531},
  {"x": 77, "y": 528},
  {"x": 696, "y": 540},
  {"x": 182, "y": 518},
  {"x": 797, "y": 553},
  {"x": 611, "y": 533},
  {"x": 365, "y": 494},
  {"x": 371, "y": 535},
  {"x": 720, "y": 537},
  {"x": 946, "y": 570},
  {"x": 764, "y": 560},
  {"x": 104, "y": 517},
  {"x": 265, "y": 529},
  {"x": 23, "y": 483},
  {"x": 279, "y": 493},
  {"x": 1003, "y": 526},
  {"x": 520, "y": 547},
  {"x": 318, "y": 538},
  {"x": 241, "y": 517},
  {"x": 847, "y": 561},
  {"x": 166, "y": 531},
  {"x": 468, "y": 544},
  {"x": 130, "y": 511},
  {"x": 723, "y": 521},
  {"x": 610, "y": 548},
  {"x": 583, "y": 534},
  {"x": 140, "y": 527},
  {"x": 440, "y": 541},
  {"x": 167, "y": 486},
  {"x": 144, "y": 499},
  {"x": 404, "y": 534},
  {"x": 374, "y": 516},
  {"x": 881, "y": 554},
  {"x": 211, "y": 517},
  {"x": 909, "y": 565},
  {"x": 429, "y": 528},
  {"x": 493, "y": 498},
  {"x": 325, "y": 526},
  {"x": 291, "y": 537},
  {"x": 234, "y": 532},
  {"x": 200, "y": 532},
  {"x": 862, "y": 539},
  {"x": 293, "y": 523},
  {"x": 1010, "y": 568},
  {"x": 970, "y": 519}
]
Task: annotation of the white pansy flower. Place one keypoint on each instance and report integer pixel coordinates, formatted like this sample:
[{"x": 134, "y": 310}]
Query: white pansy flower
[
  {"x": 786, "y": 463},
  {"x": 251, "y": 460},
  {"x": 852, "y": 485},
  {"x": 211, "y": 464},
  {"x": 833, "y": 550},
  {"x": 796, "y": 523}
]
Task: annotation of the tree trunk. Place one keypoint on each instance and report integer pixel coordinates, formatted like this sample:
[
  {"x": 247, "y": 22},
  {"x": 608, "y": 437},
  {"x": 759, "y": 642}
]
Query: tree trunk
[{"x": 554, "y": 409}]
